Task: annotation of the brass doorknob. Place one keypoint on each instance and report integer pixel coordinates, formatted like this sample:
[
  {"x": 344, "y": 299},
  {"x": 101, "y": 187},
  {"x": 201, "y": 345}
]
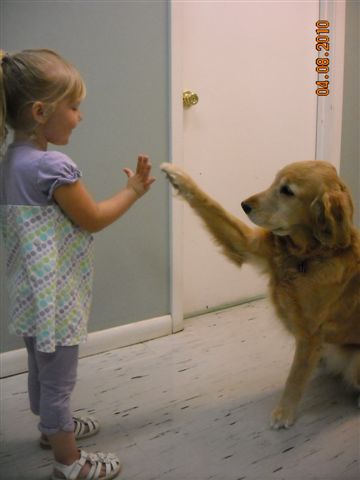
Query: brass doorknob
[{"x": 190, "y": 98}]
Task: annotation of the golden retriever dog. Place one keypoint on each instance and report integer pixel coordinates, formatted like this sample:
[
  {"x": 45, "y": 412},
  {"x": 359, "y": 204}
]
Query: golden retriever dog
[{"x": 305, "y": 241}]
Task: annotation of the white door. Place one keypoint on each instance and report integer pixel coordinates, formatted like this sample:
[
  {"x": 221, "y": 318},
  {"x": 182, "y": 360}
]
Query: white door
[{"x": 252, "y": 65}]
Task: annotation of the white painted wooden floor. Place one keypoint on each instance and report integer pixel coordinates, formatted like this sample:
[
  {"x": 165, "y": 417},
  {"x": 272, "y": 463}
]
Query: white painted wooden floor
[{"x": 196, "y": 406}]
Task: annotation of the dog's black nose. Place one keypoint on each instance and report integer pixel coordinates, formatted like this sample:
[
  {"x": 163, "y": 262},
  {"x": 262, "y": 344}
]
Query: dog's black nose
[{"x": 246, "y": 207}]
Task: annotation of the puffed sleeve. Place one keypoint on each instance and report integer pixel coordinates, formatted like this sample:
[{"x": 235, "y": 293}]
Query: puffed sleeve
[{"x": 56, "y": 169}]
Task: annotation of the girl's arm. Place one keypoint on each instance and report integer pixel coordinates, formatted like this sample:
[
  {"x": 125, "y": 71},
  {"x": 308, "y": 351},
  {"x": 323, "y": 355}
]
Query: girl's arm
[{"x": 79, "y": 206}]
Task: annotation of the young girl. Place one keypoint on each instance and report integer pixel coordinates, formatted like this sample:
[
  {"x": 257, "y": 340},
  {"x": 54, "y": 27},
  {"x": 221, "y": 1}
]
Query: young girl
[{"x": 47, "y": 217}]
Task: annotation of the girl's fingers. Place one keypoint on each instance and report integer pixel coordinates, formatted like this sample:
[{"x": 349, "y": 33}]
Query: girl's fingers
[
  {"x": 143, "y": 166},
  {"x": 142, "y": 175},
  {"x": 143, "y": 162}
]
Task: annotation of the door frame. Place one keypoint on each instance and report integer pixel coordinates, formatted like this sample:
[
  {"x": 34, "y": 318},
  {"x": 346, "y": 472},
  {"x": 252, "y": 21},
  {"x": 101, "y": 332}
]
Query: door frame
[
  {"x": 329, "y": 108},
  {"x": 177, "y": 156},
  {"x": 328, "y": 137}
]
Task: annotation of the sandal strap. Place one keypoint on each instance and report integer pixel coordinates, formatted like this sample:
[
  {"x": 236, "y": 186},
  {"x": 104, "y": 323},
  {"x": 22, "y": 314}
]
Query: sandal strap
[
  {"x": 85, "y": 426},
  {"x": 71, "y": 472},
  {"x": 99, "y": 460},
  {"x": 94, "y": 471}
]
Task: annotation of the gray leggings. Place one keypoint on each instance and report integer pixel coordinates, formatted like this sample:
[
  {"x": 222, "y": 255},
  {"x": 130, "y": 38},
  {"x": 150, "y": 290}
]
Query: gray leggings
[{"x": 51, "y": 380}]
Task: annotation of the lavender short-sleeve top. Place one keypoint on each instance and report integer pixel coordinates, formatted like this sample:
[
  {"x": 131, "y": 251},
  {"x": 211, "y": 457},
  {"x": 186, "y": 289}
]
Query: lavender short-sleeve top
[
  {"x": 31, "y": 176},
  {"x": 48, "y": 258}
]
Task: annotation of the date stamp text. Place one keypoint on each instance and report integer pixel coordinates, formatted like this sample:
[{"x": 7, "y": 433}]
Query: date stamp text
[{"x": 323, "y": 60}]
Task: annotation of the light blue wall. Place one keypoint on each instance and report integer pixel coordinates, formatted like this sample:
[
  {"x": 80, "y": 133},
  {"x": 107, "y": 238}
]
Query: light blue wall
[{"x": 121, "y": 48}]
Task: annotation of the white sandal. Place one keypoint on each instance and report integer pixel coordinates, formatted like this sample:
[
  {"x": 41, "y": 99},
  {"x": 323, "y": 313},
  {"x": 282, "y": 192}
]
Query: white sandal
[
  {"x": 83, "y": 427},
  {"x": 97, "y": 461}
]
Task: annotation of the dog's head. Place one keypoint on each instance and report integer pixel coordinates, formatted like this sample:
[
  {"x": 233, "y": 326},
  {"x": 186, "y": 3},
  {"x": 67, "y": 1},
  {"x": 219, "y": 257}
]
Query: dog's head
[{"x": 305, "y": 195}]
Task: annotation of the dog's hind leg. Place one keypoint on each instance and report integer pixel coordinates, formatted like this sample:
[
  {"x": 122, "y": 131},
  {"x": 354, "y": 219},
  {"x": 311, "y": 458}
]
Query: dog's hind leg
[
  {"x": 352, "y": 372},
  {"x": 344, "y": 361}
]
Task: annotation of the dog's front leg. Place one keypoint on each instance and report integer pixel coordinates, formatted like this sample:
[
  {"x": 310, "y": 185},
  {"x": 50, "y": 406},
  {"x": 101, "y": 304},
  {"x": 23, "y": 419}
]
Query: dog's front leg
[
  {"x": 306, "y": 358},
  {"x": 237, "y": 239}
]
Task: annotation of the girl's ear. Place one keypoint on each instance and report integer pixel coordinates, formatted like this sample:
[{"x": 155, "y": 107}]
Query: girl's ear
[{"x": 38, "y": 112}]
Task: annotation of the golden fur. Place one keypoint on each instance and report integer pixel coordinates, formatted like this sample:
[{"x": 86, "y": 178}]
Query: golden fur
[{"x": 306, "y": 242}]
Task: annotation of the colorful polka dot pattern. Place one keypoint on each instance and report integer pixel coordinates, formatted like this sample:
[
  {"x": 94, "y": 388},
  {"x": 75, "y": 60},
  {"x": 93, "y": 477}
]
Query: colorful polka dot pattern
[{"x": 49, "y": 272}]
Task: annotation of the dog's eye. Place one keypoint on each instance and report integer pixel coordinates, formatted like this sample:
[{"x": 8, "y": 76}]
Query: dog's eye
[{"x": 286, "y": 190}]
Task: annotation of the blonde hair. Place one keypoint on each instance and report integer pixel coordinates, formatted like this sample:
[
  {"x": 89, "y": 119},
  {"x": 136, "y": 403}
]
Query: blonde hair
[{"x": 34, "y": 75}]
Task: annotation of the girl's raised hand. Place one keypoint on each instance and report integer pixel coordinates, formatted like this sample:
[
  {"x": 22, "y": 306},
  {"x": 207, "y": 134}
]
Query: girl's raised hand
[{"x": 141, "y": 180}]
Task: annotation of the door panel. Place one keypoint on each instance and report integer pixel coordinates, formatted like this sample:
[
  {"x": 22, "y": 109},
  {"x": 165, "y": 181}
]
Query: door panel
[{"x": 253, "y": 66}]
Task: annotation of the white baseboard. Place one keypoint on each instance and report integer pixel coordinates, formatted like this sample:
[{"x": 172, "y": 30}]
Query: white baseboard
[{"x": 15, "y": 361}]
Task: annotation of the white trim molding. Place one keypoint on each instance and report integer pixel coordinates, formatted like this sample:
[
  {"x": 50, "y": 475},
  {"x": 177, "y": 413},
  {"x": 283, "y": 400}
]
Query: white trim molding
[
  {"x": 177, "y": 156},
  {"x": 15, "y": 361},
  {"x": 329, "y": 108}
]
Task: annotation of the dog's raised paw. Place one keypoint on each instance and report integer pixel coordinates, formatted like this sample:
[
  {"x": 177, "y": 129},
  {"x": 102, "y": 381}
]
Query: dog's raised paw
[
  {"x": 166, "y": 167},
  {"x": 172, "y": 170},
  {"x": 177, "y": 177}
]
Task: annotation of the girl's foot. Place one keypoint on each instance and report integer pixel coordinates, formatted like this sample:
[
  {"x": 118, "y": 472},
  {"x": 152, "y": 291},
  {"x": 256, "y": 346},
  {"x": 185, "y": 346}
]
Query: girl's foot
[
  {"x": 97, "y": 466},
  {"x": 83, "y": 427}
]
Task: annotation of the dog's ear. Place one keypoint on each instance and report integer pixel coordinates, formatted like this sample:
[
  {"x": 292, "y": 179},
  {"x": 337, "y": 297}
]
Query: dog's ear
[{"x": 332, "y": 218}]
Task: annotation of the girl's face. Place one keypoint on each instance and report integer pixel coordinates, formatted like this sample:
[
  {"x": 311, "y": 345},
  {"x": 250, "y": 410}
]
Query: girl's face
[{"x": 60, "y": 124}]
